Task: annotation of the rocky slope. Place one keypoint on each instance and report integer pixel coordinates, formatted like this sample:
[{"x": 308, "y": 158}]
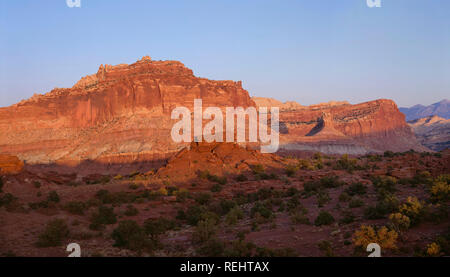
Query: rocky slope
[
  {"x": 432, "y": 131},
  {"x": 121, "y": 115},
  {"x": 441, "y": 109}
]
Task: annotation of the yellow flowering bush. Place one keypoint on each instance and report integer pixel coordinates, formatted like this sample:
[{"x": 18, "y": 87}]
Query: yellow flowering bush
[
  {"x": 440, "y": 191},
  {"x": 367, "y": 234},
  {"x": 433, "y": 249},
  {"x": 400, "y": 221},
  {"x": 163, "y": 191},
  {"x": 413, "y": 209}
]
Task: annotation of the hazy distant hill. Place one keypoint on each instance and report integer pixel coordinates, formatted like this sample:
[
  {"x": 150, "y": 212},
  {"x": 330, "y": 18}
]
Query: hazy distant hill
[
  {"x": 441, "y": 109},
  {"x": 433, "y": 132}
]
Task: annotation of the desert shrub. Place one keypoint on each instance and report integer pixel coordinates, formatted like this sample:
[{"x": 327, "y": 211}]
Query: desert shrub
[
  {"x": 345, "y": 163},
  {"x": 355, "y": 202},
  {"x": 156, "y": 227},
  {"x": 234, "y": 215},
  {"x": 324, "y": 218},
  {"x": 54, "y": 234},
  {"x": 211, "y": 248},
  {"x": 225, "y": 206},
  {"x": 263, "y": 210},
  {"x": 202, "y": 198},
  {"x": 347, "y": 217},
  {"x": 356, "y": 189},
  {"x": 330, "y": 182},
  {"x": 299, "y": 217},
  {"x": 194, "y": 214},
  {"x": 36, "y": 184},
  {"x": 389, "y": 154},
  {"x": 385, "y": 184},
  {"x": 1, "y": 184},
  {"x": 323, "y": 197},
  {"x": 291, "y": 170},
  {"x": 440, "y": 191},
  {"x": 423, "y": 177},
  {"x": 344, "y": 197},
  {"x": 414, "y": 209},
  {"x": 7, "y": 199},
  {"x": 240, "y": 248},
  {"x": 241, "y": 178},
  {"x": 305, "y": 165},
  {"x": 53, "y": 197},
  {"x": 399, "y": 222},
  {"x": 257, "y": 169},
  {"x": 131, "y": 211},
  {"x": 129, "y": 235},
  {"x": 433, "y": 250},
  {"x": 387, "y": 239},
  {"x": 388, "y": 204},
  {"x": 326, "y": 247},
  {"x": 216, "y": 188},
  {"x": 163, "y": 191},
  {"x": 104, "y": 216},
  {"x": 204, "y": 231},
  {"x": 75, "y": 207},
  {"x": 182, "y": 195}
]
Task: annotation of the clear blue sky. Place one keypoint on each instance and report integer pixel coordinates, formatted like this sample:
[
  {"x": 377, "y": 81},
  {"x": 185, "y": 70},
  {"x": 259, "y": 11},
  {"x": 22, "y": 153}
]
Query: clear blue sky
[{"x": 309, "y": 51}]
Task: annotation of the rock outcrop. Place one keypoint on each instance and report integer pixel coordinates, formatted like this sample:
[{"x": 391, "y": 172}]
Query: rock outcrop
[
  {"x": 121, "y": 114},
  {"x": 10, "y": 165},
  {"x": 338, "y": 127},
  {"x": 433, "y": 132}
]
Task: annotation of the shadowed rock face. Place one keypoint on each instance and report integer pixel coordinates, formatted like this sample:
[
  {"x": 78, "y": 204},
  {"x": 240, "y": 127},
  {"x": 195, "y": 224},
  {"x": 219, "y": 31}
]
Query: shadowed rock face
[{"x": 121, "y": 114}]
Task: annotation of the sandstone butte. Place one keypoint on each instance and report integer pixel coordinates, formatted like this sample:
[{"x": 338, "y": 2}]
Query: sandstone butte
[{"x": 121, "y": 115}]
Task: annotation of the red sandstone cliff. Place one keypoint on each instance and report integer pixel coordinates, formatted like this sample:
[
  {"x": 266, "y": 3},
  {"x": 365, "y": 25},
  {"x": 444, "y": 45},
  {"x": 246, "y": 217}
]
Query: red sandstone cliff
[
  {"x": 339, "y": 127},
  {"x": 121, "y": 114}
]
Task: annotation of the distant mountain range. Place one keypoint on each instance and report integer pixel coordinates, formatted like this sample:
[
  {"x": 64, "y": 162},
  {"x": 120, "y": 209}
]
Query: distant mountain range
[
  {"x": 441, "y": 109},
  {"x": 433, "y": 132}
]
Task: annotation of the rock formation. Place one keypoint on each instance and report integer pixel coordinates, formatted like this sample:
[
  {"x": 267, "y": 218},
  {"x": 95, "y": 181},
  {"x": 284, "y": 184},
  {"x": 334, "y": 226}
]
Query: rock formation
[
  {"x": 339, "y": 127},
  {"x": 121, "y": 114},
  {"x": 10, "y": 165},
  {"x": 433, "y": 132}
]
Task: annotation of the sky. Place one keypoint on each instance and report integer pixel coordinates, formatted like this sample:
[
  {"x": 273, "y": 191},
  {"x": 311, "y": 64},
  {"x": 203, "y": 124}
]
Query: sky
[{"x": 309, "y": 51}]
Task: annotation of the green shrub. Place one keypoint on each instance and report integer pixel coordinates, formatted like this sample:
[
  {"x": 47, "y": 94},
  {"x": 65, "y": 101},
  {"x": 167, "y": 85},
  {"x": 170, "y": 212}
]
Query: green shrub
[
  {"x": 54, "y": 234},
  {"x": 261, "y": 209},
  {"x": 356, "y": 189},
  {"x": 131, "y": 211},
  {"x": 234, "y": 215},
  {"x": 156, "y": 227},
  {"x": 204, "y": 231},
  {"x": 324, "y": 218},
  {"x": 211, "y": 248},
  {"x": 53, "y": 197},
  {"x": 129, "y": 235},
  {"x": 355, "y": 203},
  {"x": 75, "y": 207},
  {"x": 104, "y": 216},
  {"x": 202, "y": 198}
]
